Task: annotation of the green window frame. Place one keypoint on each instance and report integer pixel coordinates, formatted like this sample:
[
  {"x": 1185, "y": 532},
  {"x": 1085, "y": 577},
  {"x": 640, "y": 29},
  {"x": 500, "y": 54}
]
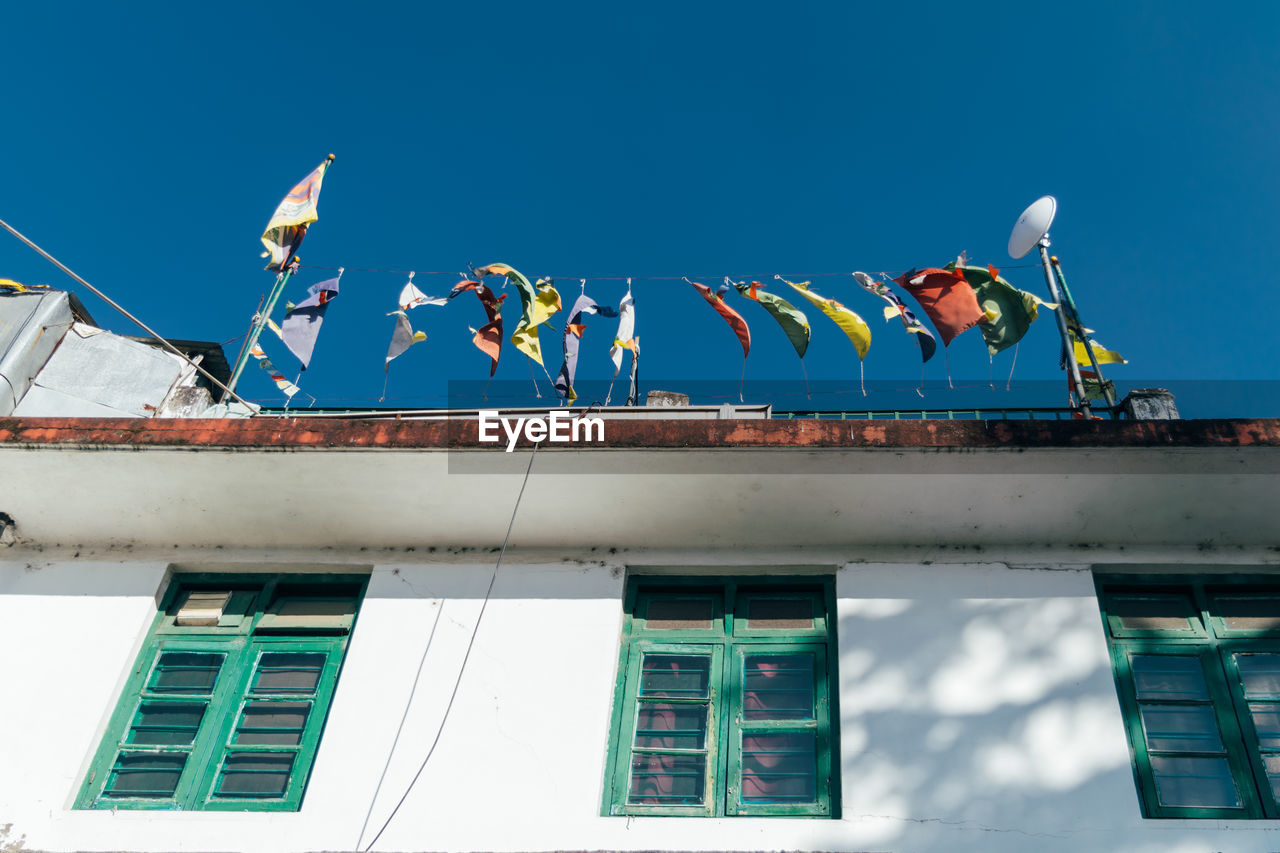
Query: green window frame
[
  {"x": 226, "y": 703},
  {"x": 725, "y": 699},
  {"x": 1197, "y": 667}
]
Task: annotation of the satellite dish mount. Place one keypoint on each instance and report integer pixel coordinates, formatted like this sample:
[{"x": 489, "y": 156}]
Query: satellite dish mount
[{"x": 1032, "y": 231}]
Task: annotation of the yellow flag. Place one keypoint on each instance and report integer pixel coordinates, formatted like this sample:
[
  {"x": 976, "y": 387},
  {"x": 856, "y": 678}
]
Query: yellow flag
[
  {"x": 545, "y": 303},
  {"x": 284, "y": 232},
  {"x": 849, "y": 322},
  {"x": 1101, "y": 353}
]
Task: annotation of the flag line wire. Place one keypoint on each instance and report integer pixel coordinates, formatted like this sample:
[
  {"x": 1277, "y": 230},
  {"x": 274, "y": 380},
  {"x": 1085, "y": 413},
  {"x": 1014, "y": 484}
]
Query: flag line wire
[{"x": 466, "y": 656}]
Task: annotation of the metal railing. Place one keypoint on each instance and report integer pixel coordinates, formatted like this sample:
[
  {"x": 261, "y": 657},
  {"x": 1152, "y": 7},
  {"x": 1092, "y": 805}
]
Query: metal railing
[{"x": 1024, "y": 413}]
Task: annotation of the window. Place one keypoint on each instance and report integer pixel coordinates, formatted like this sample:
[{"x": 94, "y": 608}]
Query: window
[
  {"x": 725, "y": 698},
  {"x": 228, "y": 697},
  {"x": 1197, "y": 664}
]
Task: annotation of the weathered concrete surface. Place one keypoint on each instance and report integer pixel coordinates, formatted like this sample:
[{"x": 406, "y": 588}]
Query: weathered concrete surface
[{"x": 407, "y": 434}]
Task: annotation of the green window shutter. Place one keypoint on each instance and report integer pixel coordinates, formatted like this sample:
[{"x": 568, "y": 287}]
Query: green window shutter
[
  {"x": 1197, "y": 665},
  {"x": 215, "y": 715},
  {"x": 723, "y": 703}
]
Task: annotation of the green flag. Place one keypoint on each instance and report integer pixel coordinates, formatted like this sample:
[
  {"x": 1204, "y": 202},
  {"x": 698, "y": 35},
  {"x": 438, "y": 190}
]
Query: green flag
[
  {"x": 789, "y": 317},
  {"x": 1009, "y": 311}
]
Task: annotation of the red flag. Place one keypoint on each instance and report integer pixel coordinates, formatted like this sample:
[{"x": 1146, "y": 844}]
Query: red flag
[
  {"x": 733, "y": 318},
  {"x": 488, "y": 339},
  {"x": 946, "y": 297}
]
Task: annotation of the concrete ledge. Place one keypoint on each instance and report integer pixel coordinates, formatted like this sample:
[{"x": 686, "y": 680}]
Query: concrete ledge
[{"x": 270, "y": 432}]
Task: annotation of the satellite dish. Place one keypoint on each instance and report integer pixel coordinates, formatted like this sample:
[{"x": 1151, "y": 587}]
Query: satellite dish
[{"x": 1032, "y": 226}]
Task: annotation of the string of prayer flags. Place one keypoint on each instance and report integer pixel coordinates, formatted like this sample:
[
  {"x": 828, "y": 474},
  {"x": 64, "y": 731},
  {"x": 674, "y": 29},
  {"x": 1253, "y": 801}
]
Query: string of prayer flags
[
  {"x": 573, "y": 330},
  {"x": 301, "y": 324},
  {"x": 792, "y": 320},
  {"x": 1009, "y": 312},
  {"x": 946, "y": 297},
  {"x": 850, "y": 323},
  {"x": 283, "y": 384},
  {"x": 402, "y": 337},
  {"x": 733, "y": 318},
  {"x": 624, "y": 338},
  {"x": 898, "y": 308},
  {"x": 288, "y": 225},
  {"x": 411, "y": 297},
  {"x": 488, "y": 338}
]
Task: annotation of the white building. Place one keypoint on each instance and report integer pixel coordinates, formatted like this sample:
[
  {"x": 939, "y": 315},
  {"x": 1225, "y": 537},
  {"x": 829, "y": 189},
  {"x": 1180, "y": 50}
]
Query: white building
[{"x": 293, "y": 634}]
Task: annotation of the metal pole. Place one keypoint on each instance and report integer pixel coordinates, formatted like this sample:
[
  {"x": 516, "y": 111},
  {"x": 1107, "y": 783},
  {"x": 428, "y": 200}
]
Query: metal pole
[
  {"x": 633, "y": 394},
  {"x": 260, "y": 322},
  {"x": 1088, "y": 347},
  {"x": 1074, "y": 368}
]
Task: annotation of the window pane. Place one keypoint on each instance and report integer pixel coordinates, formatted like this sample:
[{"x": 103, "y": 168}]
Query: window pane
[
  {"x": 777, "y": 687},
  {"x": 667, "y": 780},
  {"x": 676, "y": 614},
  {"x": 779, "y": 768},
  {"x": 255, "y": 775},
  {"x": 166, "y": 723},
  {"x": 1194, "y": 782},
  {"x": 792, "y": 613},
  {"x": 676, "y": 676},
  {"x": 1260, "y": 674},
  {"x": 1266, "y": 721},
  {"x": 1181, "y": 728},
  {"x": 185, "y": 672},
  {"x": 1272, "y": 764},
  {"x": 288, "y": 672},
  {"x": 152, "y": 775},
  {"x": 1252, "y": 613},
  {"x": 1169, "y": 677},
  {"x": 279, "y": 723},
  {"x": 660, "y": 725},
  {"x": 1155, "y": 613}
]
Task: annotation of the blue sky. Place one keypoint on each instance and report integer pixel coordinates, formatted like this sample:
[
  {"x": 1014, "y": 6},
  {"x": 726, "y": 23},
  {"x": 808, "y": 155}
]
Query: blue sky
[{"x": 147, "y": 144}]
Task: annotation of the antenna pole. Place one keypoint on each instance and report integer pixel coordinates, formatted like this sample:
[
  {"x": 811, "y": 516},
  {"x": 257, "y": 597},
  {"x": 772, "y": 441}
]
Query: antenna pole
[
  {"x": 1068, "y": 349},
  {"x": 260, "y": 322},
  {"x": 1084, "y": 339}
]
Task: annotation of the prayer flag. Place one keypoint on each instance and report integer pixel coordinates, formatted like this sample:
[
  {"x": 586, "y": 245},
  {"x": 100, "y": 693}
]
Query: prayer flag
[
  {"x": 411, "y": 297},
  {"x": 573, "y": 330},
  {"x": 283, "y": 384},
  {"x": 301, "y": 324},
  {"x": 402, "y": 337},
  {"x": 792, "y": 320},
  {"x": 733, "y": 318},
  {"x": 850, "y": 323},
  {"x": 488, "y": 338},
  {"x": 538, "y": 303},
  {"x": 624, "y": 338},
  {"x": 946, "y": 297},
  {"x": 1008, "y": 311},
  {"x": 1101, "y": 353},
  {"x": 898, "y": 308},
  {"x": 288, "y": 225}
]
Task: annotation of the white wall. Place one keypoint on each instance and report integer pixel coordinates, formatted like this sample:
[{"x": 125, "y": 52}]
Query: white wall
[{"x": 977, "y": 712}]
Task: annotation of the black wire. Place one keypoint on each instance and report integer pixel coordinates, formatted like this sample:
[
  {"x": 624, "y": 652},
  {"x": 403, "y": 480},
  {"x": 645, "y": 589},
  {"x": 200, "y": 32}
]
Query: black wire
[{"x": 462, "y": 669}]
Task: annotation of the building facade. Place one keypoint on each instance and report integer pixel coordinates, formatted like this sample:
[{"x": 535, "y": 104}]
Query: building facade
[{"x": 318, "y": 634}]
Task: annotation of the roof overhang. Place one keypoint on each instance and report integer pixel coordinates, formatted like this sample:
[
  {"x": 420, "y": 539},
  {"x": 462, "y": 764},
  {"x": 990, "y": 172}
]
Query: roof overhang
[{"x": 279, "y": 482}]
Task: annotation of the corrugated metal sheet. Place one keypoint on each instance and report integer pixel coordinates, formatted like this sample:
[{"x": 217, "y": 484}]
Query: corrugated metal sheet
[
  {"x": 93, "y": 370},
  {"x": 31, "y": 325}
]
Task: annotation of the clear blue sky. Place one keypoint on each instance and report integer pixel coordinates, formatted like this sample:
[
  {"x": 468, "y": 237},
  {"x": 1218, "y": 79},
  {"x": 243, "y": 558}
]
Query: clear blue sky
[{"x": 147, "y": 144}]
